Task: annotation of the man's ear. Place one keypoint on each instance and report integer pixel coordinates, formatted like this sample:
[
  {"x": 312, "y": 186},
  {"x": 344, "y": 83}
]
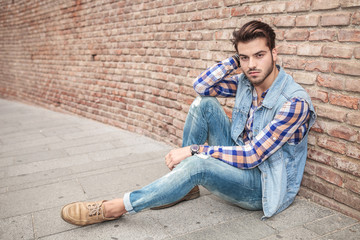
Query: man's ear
[{"x": 274, "y": 53}]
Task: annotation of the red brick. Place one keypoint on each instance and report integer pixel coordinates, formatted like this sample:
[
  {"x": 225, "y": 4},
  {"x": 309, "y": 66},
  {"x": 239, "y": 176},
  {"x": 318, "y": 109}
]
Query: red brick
[
  {"x": 319, "y": 156},
  {"x": 343, "y": 100},
  {"x": 353, "y": 118},
  {"x": 318, "y": 126},
  {"x": 356, "y": 18},
  {"x": 318, "y": 95},
  {"x": 348, "y": 165},
  {"x": 231, "y": 2},
  {"x": 238, "y": 11},
  {"x": 354, "y": 150},
  {"x": 319, "y": 186},
  {"x": 330, "y": 112},
  {"x": 307, "y": 20},
  {"x": 352, "y": 184},
  {"x": 325, "y": 4},
  {"x": 329, "y": 175},
  {"x": 337, "y": 19},
  {"x": 341, "y": 131},
  {"x": 349, "y": 35},
  {"x": 349, "y": 3},
  {"x": 298, "y": 6},
  {"x": 297, "y": 35},
  {"x": 329, "y": 81},
  {"x": 348, "y": 198},
  {"x": 319, "y": 66},
  {"x": 276, "y": 7},
  {"x": 284, "y": 21},
  {"x": 357, "y": 53},
  {"x": 304, "y": 77},
  {"x": 309, "y": 50},
  {"x": 352, "y": 84},
  {"x": 293, "y": 63},
  {"x": 347, "y": 68},
  {"x": 337, "y": 52},
  {"x": 310, "y": 168},
  {"x": 323, "y": 35},
  {"x": 332, "y": 145},
  {"x": 288, "y": 49}
]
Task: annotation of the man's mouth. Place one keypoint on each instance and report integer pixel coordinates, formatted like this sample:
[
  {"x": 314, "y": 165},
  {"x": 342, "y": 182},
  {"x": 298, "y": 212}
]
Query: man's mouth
[{"x": 253, "y": 73}]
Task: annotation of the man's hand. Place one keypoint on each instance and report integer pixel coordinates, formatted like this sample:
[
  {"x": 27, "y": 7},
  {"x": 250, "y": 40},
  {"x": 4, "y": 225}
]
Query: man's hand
[{"x": 175, "y": 156}]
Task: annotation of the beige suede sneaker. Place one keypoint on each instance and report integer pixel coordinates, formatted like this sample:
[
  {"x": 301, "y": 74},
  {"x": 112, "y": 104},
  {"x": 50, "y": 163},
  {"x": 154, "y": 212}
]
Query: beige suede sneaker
[{"x": 84, "y": 213}]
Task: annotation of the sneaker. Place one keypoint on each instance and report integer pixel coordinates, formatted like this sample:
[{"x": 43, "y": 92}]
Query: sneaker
[
  {"x": 194, "y": 193},
  {"x": 84, "y": 213}
]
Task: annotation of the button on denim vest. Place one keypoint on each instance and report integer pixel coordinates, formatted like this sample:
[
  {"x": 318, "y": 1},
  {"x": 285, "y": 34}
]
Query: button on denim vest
[{"x": 282, "y": 172}]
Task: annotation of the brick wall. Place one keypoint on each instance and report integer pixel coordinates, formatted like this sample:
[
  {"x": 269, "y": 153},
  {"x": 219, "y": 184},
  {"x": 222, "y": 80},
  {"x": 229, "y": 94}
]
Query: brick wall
[{"x": 131, "y": 64}]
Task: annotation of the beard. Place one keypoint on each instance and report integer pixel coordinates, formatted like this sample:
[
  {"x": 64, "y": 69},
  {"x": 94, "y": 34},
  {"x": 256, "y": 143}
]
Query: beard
[{"x": 263, "y": 74}]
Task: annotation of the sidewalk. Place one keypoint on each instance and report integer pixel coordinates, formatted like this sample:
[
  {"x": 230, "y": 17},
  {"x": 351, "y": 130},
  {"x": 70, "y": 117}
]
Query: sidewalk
[{"x": 48, "y": 159}]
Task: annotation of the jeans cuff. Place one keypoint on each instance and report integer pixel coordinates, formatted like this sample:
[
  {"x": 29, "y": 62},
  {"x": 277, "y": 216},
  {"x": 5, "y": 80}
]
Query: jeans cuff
[{"x": 128, "y": 207}]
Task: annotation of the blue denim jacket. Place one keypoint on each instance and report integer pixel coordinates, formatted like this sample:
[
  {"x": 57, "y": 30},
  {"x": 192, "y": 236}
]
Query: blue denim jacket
[{"x": 282, "y": 172}]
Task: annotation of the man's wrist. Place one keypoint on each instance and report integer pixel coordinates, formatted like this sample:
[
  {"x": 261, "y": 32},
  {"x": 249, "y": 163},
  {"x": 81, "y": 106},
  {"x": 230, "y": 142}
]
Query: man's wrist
[
  {"x": 236, "y": 57},
  {"x": 194, "y": 149}
]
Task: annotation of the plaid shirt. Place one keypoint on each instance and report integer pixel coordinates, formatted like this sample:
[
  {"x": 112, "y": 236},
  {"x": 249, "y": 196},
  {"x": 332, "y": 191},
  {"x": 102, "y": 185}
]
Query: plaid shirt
[{"x": 289, "y": 125}]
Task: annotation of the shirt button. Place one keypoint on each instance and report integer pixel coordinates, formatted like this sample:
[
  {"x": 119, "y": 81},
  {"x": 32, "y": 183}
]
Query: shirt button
[{"x": 274, "y": 138}]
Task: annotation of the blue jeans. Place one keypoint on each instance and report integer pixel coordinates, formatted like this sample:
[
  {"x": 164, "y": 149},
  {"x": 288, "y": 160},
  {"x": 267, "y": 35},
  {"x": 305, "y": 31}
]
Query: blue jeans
[{"x": 206, "y": 122}]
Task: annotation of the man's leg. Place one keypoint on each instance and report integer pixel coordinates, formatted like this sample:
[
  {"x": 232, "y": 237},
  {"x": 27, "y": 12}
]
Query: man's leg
[{"x": 207, "y": 122}]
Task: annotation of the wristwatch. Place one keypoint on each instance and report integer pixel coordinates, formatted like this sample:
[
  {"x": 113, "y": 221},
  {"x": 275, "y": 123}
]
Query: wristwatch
[{"x": 194, "y": 149}]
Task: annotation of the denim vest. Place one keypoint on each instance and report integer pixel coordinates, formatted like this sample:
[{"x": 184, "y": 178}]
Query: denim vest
[{"x": 282, "y": 172}]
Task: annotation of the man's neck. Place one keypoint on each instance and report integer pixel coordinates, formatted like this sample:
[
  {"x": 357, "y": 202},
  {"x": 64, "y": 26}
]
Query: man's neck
[{"x": 267, "y": 83}]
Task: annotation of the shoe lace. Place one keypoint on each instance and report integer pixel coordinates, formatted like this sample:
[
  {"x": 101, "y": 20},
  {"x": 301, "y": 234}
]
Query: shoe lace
[{"x": 94, "y": 209}]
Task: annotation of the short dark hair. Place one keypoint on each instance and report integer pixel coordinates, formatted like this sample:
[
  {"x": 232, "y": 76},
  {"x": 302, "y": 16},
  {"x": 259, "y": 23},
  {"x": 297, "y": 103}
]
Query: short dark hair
[{"x": 252, "y": 30}]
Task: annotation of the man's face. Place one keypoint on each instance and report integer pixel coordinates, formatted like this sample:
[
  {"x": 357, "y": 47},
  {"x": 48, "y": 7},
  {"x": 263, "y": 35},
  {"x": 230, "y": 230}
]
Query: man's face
[{"x": 256, "y": 60}]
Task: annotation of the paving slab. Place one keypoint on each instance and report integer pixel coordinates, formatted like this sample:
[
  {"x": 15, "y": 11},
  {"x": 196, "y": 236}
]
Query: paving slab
[{"x": 49, "y": 159}]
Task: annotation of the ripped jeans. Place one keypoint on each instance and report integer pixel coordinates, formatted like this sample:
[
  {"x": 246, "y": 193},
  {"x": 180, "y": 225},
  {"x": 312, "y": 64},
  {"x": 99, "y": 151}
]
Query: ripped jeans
[{"x": 206, "y": 122}]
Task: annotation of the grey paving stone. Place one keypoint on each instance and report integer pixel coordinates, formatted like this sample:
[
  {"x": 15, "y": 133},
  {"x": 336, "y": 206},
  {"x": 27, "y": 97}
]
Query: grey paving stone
[
  {"x": 196, "y": 214},
  {"x": 49, "y": 221},
  {"x": 6, "y": 161},
  {"x": 129, "y": 150},
  {"x": 140, "y": 226},
  {"x": 330, "y": 224},
  {"x": 88, "y": 133},
  {"x": 24, "y": 138},
  {"x": 21, "y": 151},
  {"x": 30, "y": 143},
  {"x": 37, "y": 179},
  {"x": 39, "y": 156},
  {"x": 89, "y": 148},
  {"x": 350, "y": 233},
  {"x": 120, "y": 180},
  {"x": 294, "y": 234},
  {"x": 19, "y": 227},
  {"x": 39, "y": 198},
  {"x": 33, "y": 167},
  {"x": 107, "y": 137},
  {"x": 245, "y": 227},
  {"x": 298, "y": 214}
]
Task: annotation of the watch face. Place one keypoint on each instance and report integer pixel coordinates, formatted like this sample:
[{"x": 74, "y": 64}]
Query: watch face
[{"x": 194, "y": 149}]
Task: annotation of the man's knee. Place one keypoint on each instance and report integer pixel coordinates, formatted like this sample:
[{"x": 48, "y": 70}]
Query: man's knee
[{"x": 205, "y": 103}]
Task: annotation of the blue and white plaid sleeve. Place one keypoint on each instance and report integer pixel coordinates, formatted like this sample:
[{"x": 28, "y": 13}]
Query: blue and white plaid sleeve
[
  {"x": 215, "y": 81},
  {"x": 289, "y": 125}
]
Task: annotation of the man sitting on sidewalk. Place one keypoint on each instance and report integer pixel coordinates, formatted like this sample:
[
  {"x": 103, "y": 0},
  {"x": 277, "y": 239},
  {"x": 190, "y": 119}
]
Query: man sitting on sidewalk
[{"x": 255, "y": 161}]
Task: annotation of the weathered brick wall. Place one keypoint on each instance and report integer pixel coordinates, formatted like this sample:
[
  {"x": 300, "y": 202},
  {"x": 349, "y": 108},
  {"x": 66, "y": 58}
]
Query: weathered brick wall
[{"x": 132, "y": 63}]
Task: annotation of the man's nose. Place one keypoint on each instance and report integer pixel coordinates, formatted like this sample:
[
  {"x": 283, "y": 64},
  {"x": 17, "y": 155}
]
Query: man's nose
[{"x": 252, "y": 63}]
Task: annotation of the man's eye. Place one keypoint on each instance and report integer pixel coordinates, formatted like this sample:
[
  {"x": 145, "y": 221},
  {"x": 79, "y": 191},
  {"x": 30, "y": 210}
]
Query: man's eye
[
  {"x": 260, "y": 55},
  {"x": 243, "y": 58}
]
